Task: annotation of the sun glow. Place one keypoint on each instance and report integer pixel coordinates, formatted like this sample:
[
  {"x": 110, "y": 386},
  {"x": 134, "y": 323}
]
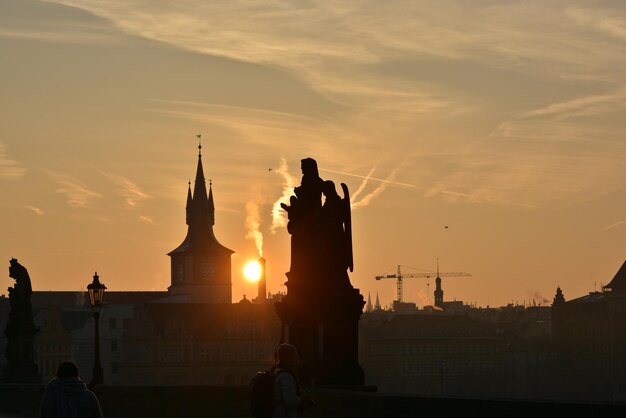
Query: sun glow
[{"x": 252, "y": 271}]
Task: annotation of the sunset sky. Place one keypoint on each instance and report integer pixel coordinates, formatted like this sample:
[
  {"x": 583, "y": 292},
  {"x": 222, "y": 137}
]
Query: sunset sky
[{"x": 505, "y": 121}]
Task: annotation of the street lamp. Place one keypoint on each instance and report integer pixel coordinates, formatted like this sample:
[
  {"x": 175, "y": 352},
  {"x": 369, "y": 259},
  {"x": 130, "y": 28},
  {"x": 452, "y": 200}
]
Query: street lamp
[{"x": 96, "y": 295}]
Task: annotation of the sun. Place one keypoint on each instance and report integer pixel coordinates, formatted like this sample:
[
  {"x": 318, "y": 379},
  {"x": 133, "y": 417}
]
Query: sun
[{"x": 252, "y": 271}]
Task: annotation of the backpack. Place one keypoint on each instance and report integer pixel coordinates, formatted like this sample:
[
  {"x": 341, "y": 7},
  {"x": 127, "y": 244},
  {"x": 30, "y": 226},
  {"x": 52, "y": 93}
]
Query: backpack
[{"x": 262, "y": 394}]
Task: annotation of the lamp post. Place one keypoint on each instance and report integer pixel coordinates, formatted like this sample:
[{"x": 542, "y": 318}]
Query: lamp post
[{"x": 96, "y": 295}]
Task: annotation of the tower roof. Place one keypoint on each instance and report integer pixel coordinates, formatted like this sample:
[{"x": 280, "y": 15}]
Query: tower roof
[
  {"x": 200, "y": 214},
  {"x": 199, "y": 187},
  {"x": 618, "y": 284},
  {"x": 211, "y": 205},
  {"x": 189, "y": 202}
]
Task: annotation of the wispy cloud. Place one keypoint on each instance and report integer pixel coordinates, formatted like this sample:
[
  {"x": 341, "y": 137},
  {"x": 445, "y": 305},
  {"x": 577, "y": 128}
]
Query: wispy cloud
[
  {"x": 365, "y": 58},
  {"x": 584, "y": 106},
  {"x": 368, "y": 198},
  {"x": 35, "y": 209},
  {"x": 77, "y": 194},
  {"x": 368, "y": 177},
  {"x": 130, "y": 191},
  {"x": 104, "y": 220},
  {"x": 363, "y": 184},
  {"x": 613, "y": 225},
  {"x": 146, "y": 219},
  {"x": 9, "y": 168},
  {"x": 53, "y": 36},
  {"x": 610, "y": 22}
]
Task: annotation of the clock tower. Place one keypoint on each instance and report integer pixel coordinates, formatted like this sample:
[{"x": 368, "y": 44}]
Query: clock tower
[{"x": 201, "y": 266}]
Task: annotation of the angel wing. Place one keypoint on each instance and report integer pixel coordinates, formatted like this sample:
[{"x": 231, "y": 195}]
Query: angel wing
[{"x": 347, "y": 219}]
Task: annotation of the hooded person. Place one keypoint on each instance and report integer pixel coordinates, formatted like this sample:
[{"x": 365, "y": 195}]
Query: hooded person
[
  {"x": 67, "y": 396},
  {"x": 289, "y": 395}
]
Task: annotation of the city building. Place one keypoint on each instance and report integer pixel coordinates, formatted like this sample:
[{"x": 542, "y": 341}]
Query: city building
[
  {"x": 190, "y": 334},
  {"x": 590, "y": 333}
]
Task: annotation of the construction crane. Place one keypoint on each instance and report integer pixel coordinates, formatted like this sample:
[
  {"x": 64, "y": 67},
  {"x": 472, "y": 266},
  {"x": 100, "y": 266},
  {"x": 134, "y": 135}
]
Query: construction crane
[{"x": 399, "y": 276}]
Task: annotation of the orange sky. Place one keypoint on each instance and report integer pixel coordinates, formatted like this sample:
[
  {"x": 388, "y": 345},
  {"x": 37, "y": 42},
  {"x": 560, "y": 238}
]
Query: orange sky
[{"x": 503, "y": 121}]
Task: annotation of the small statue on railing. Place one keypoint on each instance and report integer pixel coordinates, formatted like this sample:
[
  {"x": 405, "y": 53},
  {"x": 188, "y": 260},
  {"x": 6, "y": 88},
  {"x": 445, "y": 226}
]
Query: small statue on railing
[
  {"x": 20, "y": 329},
  {"x": 20, "y": 293}
]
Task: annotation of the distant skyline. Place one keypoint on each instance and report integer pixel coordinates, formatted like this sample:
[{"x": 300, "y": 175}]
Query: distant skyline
[{"x": 503, "y": 121}]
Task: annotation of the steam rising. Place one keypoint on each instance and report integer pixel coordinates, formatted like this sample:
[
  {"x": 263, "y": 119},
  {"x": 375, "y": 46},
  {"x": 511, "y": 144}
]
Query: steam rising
[
  {"x": 279, "y": 216},
  {"x": 253, "y": 224},
  {"x": 423, "y": 297}
]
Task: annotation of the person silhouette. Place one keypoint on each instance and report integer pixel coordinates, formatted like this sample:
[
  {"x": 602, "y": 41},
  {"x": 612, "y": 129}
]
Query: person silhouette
[
  {"x": 289, "y": 395},
  {"x": 67, "y": 396}
]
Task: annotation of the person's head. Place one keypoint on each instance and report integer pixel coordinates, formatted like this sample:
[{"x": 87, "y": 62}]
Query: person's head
[
  {"x": 67, "y": 369},
  {"x": 287, "y": 357},
  {"x": 309, "y": 167},
  {"x": 329, "y": 189}
]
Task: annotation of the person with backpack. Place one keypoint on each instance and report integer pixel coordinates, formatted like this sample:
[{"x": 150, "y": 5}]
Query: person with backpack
[
  {"x": 289, "y": 396},
  {"x": 277, "y": 393},
  {"x": 67, "y": 396}
]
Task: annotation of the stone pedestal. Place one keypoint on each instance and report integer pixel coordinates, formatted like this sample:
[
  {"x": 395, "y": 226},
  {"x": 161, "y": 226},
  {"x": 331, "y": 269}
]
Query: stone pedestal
[
  {"x": 20, "y": 330},
  {"x": 20, "y": 353},
  {"x": 322, "y": 322}
]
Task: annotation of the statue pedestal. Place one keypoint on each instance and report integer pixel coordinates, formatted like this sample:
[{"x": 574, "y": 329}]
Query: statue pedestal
[
  {"x": 322, "y": 323},
  {"x": 20, "y": 354},
  {"x": 20, "y": 330}
]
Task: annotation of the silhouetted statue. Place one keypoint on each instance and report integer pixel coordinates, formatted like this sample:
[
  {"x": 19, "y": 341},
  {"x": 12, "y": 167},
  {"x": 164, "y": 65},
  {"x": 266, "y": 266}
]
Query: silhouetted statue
[
  {"x": 321, "y": 235},
  {"x": 304, "y": 218},
  {"x": 20, "y": 329},
  {"x": 336, "y": 233},
  {"x": 19, "y": 295},
  {"x": 321, "y": 310}
]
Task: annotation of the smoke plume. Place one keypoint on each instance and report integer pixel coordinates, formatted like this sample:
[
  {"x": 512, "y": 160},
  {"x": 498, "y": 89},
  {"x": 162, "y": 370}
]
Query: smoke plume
[
  {"x": 279, "y": 216},
  {"x": 253, "y": 224},
  {"x": 538, "y": 298},
  {"x": 423, "y": 297}
]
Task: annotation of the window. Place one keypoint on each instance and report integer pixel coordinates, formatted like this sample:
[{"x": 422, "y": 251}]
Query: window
[
  {"x": 125, "y": 323},
  {"x": 113, "y": 345},
  {"x": 112, "y": 323}
]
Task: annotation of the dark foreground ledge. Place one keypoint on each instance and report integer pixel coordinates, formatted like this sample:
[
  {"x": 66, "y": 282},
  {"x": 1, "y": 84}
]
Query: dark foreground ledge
[{"x": 232, "y": 402}]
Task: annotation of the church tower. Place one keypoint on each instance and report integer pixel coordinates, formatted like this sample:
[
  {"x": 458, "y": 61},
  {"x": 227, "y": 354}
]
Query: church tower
[
  {"x": 201, "y": 266},
  {"x": 438, "y": 292}
]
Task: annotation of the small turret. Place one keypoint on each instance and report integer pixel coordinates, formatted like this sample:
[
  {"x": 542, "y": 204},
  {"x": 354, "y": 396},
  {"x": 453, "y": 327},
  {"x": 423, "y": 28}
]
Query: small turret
[
  {"x": 559, "y": 299},
  {"x": 377, "y": 305},
  {"x": 189, "y": 203},
  {"x": 211, "y": 205}
]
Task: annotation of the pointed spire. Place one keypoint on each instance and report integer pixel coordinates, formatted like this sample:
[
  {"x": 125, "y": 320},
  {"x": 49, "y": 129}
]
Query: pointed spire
[
  {"x": 189, "y": 203},
  {"x": 202, "y": 213},
  {"x": 377, "y": 305},
  {"x": 559, "y": 299},
  {"x": 199, "y": 187},
  {"x": 211, "y": 205},
  {"x": 368, "y": 307}
]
